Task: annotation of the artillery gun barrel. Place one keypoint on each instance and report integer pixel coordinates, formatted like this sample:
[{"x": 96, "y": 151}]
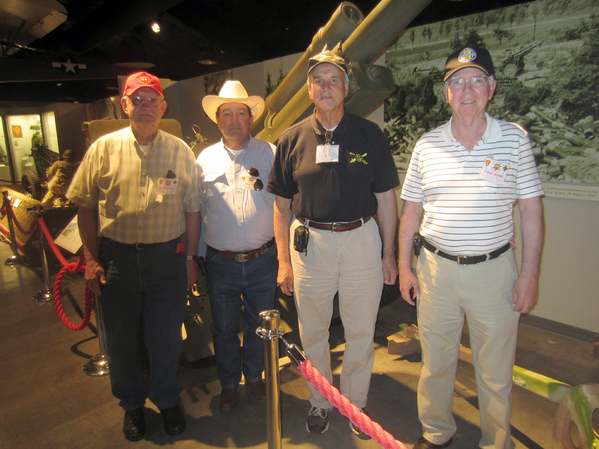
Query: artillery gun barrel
[
  {"x": 370, "y": 39},
  {"x": 380, "y": 28},
  {"x": 342, "y": 24}
]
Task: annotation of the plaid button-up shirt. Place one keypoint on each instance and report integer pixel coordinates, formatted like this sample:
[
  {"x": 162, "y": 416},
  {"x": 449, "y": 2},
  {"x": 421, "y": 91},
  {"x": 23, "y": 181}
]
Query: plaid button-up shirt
[{"x": 127, "y": 183}]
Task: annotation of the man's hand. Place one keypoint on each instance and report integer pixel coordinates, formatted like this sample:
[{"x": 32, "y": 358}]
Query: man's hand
[
  {"x": 285, "y": 278},
  {"x": 192, "y": 273},
  {"x": 407, "y": 282},
  {"x": 525, "y": 293},
  {"x": 94, "y": 276},
  {"x": 389, "y": 269}
]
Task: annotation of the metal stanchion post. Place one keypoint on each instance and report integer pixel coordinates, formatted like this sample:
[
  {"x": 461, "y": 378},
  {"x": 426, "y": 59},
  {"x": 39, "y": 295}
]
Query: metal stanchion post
[
  {"x": 16, "y": 258},
  {"x": 98, "y": 364},
  {"x": 269, "y": 331},
  {"x": 44, "y": 295}
]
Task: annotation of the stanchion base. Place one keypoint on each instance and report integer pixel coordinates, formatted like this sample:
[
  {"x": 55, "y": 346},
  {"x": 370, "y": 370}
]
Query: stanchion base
[
  {"x": 43, "y": 296},
  {"x": 16, "y": 260},
  {"x": 97, "y": 366}
]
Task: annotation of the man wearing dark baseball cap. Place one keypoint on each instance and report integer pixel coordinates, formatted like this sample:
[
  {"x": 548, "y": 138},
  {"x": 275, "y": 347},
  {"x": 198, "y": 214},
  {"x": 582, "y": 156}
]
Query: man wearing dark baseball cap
[
  {"x": 138, "y": 190},
  {"x": 459, "y": 192},
  {"x": 332, "y": 172},
  {"x": 469, "y": 57}
]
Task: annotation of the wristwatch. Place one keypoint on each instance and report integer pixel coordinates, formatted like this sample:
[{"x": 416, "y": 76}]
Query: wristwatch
[{"x": 195, "y": 257}]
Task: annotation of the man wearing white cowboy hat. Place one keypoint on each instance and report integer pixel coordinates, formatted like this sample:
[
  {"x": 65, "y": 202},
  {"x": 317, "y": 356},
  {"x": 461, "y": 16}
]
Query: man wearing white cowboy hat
[{"x": 241, "y": 255}]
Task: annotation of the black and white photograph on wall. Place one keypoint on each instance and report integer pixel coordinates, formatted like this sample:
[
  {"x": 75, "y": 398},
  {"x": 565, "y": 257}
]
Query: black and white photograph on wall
[{"x": 546, "y": 57}]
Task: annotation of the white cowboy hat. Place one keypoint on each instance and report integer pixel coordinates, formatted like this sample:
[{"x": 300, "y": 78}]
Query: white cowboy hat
[{"x": 232, "y": 92}]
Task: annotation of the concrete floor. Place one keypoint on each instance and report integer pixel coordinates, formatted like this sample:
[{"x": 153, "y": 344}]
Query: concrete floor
[{"x": 46, "y": 401}]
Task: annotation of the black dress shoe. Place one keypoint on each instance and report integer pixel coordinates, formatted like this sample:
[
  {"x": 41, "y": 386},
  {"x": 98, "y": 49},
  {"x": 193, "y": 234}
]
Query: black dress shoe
[
  {"x": 134, "y": 424},
  {"x": 174, "y": 421},
  {"x": 423, "y": 443}
]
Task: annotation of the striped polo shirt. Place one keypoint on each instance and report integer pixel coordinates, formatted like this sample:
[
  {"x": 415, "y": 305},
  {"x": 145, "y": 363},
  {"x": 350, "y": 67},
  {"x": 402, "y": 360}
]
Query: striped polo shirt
[{"x": 463, "y": 213}]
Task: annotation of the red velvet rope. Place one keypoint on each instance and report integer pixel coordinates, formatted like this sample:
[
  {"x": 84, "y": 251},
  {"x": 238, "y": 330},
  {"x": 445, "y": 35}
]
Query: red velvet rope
[
  {"x": 16, "y": 222},
  {"x": 74, "y": 267},
  {"x": 11, "y": 182},
  {"x": 347, "y": 409},
  {"x": 89, "y": 297}
]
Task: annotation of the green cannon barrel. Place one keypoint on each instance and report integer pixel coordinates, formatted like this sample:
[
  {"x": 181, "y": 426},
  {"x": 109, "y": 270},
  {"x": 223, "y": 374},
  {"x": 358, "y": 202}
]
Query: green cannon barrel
[{"x": 369, "y": 40}]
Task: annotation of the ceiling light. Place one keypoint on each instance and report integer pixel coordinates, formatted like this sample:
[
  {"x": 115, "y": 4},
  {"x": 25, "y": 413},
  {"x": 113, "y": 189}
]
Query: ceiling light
[
  {"x": 155, "y": 27},
  {"x": 207, "y": 62},
  {"x": 132, "y": 54}
]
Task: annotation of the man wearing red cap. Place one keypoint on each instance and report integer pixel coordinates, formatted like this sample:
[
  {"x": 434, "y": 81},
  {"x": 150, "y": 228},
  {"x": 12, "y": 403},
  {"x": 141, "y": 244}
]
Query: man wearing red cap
[{"x": 138, "y": 193}]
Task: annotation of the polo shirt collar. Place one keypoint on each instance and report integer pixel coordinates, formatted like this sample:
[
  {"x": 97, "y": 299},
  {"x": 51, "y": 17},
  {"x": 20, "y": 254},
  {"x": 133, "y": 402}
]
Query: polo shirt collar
[
  {"x": 320, "y": 130},
  {"x": 492, "y": 133}
]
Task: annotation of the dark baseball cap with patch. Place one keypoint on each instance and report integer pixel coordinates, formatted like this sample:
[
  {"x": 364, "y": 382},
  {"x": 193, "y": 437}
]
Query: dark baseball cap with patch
[{"x": 469, "y": 57}]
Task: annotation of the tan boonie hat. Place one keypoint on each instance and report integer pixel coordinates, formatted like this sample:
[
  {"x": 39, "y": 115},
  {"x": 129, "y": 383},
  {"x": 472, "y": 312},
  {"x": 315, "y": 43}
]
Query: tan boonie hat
[
  {"x": 232, "y": 92},
  {"x": 329, "y": 57}
]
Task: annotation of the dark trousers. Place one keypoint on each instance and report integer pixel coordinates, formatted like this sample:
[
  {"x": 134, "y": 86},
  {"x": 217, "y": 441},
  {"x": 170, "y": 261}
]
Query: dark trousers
[{"x": 145, "y": 291}]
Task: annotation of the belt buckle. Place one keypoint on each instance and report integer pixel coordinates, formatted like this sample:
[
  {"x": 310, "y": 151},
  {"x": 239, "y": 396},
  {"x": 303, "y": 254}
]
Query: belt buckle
[
  {"x": 139, "y": 246},
  {"x": 241, "y": 257},
  {"x": 333, "y": 226},
  {"x": 459, "y": 261}
]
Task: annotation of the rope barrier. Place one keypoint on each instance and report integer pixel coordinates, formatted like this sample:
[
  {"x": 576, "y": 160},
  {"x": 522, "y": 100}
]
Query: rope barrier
[
  {"x": 57, "y": 252},
  {"x": 19, "y": 244},
  {"x": 89, "y": 297},
  {"x": 347, "y": 409},
  {"x": 74, "y": 267},
  {"x": 10, "y": 182},
  {"x": 16, "y": 222}
]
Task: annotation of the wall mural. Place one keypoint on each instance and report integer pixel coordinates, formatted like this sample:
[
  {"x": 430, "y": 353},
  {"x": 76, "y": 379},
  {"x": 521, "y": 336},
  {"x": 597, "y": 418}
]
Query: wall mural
[{"x": 546, "y": 56}]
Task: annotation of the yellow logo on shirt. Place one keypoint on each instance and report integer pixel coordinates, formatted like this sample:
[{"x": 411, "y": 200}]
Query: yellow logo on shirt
[{"x": 358, "y": 158}]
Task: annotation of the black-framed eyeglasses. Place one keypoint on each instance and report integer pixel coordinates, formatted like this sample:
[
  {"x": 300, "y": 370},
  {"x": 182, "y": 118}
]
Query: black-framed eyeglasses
[
  {"x": 139, "y": 101},
  {"x": 254, "y": 173}
]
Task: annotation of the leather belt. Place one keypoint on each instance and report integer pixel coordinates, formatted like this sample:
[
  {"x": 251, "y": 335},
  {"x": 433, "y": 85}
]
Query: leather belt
[
  {"x": 467, "y": 260},
  {"x": 246, "y": 255},
  {"x": 335, "y": 227},
  {"x": 136, "y": 246}
]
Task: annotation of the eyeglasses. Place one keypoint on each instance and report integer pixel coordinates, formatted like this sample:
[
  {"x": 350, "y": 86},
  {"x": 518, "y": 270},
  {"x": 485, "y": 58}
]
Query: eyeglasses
[
  {"x": 139, "y": 101},
  {"x": 476, "y": 82},
  {"x": 254, "y": 173}
]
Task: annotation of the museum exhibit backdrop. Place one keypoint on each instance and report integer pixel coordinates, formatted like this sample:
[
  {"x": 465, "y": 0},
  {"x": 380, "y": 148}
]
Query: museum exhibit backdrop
[{"x": 546, "y": 56}]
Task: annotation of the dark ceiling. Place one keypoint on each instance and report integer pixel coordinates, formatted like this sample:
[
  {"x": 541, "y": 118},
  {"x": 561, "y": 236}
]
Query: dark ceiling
[{"x": 74, "y": 61}]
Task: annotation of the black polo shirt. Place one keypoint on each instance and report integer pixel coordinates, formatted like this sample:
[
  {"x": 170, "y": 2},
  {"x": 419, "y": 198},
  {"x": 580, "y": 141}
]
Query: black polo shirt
[{"x": 333, "y": 192}]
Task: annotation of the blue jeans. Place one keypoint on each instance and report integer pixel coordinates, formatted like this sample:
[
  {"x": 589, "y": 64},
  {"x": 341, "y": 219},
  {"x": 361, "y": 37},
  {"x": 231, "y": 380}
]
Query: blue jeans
[
  {"x": 233, "y": 286},
  {"x": 145, "y": 290}
]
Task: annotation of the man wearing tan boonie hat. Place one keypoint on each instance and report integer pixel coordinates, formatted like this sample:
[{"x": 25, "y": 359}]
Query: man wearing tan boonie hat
[{"x": 241, "y": 257}]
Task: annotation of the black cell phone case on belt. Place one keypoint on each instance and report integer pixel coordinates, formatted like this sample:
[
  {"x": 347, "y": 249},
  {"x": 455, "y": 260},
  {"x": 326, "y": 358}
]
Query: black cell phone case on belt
[{"x": 300, "y": 239}]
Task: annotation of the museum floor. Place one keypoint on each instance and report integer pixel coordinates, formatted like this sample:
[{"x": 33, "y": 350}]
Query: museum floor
[{"x": 46, "y": 401}]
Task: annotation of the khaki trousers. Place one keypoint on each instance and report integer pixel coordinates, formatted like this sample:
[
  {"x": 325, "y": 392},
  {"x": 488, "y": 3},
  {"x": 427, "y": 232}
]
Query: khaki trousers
[
  {"x": 482, "y": 293},
  {"x": 350, "y": 263}
]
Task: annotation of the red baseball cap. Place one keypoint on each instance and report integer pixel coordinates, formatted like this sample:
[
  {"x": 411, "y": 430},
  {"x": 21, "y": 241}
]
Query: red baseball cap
[{"x": 139, "y": 80}]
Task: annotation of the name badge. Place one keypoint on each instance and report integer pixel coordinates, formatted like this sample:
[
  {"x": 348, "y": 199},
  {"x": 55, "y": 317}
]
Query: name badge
[
  {"x": 494, "y": 171},
  {"x": 167, "y": 186},
  {"x": 327, "y": 153},
  {"x": 247, "y": 180}
]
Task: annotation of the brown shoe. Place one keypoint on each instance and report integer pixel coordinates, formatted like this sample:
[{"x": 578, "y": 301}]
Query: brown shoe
[
  {"x": 423, "y": 443},
  {"x": 258, "y": 390},
  {"x": 228, "y": 398}
]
